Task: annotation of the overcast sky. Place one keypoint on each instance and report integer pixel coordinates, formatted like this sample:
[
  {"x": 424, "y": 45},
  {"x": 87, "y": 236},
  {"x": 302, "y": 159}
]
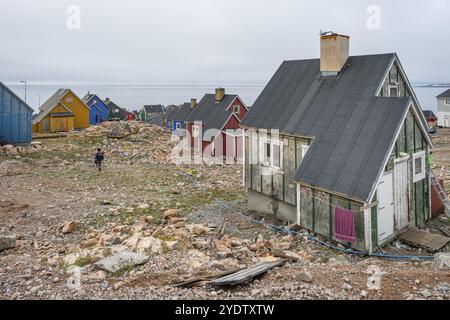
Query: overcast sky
[{"x": 210, "y": 41}]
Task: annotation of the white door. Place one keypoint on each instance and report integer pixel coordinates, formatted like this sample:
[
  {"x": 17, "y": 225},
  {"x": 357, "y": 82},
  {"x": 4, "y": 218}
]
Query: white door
[
  {"x": 385, "y": 207},
  {"x": 447, "y": 122},
  {"x": 401, "y": 192}
]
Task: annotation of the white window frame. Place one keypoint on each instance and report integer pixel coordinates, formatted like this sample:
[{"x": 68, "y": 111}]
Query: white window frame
[
  {"x": 178, "y": 126},
  {"x": 69, "y": 99},
  {"x": 447, "y": 102},
  {"x": 420, "y": 176},
  {"x": 271, "y": 161},
  {"x": 195, "y": 131},
  {"x": 238, "y": 111},
  {"x": 393, "y": 86},
  {"x": 305, "y": 148}
]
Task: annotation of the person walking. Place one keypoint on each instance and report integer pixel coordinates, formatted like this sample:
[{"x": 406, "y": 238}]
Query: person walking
[{"x": 99, "y": 157}]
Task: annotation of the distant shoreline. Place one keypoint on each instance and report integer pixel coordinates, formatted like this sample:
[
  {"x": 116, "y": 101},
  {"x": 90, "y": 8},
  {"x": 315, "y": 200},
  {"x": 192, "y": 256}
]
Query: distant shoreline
[{"x": 438, "y": 85}]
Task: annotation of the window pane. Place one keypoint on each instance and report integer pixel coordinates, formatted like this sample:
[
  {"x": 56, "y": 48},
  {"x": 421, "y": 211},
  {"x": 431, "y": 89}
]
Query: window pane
[
  {"x": 266, "y": 153},
  {"x": 393, "y": 92},
  {"x": 418, "y": 165},
  {"x": 276, "y": 155}
]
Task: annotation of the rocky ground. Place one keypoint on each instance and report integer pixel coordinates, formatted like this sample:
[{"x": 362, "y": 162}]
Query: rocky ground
[{"x": 66, "y": 217}]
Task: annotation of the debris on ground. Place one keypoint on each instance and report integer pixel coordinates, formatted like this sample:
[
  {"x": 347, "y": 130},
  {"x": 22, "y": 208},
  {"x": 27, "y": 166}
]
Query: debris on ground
[
  {"x": 246, "y": 275},
  {"x": 144, "y": 224}
]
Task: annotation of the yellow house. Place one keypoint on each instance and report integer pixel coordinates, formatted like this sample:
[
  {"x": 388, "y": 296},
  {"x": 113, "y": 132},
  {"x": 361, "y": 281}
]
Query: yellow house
[{"x": 63, "y": 112}]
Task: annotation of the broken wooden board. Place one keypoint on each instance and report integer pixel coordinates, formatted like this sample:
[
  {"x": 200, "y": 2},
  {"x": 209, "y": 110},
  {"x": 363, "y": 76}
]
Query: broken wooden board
[
  {"x": 194, "y": 281},
  {"x": 427, "y": 240},
  {"x": 246, "y": 275}
]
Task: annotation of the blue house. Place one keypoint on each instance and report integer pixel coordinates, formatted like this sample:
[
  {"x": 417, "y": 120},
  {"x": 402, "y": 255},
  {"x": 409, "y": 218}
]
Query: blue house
[
  {"x": 98, "y": 109},
  {"x": 15, "y": 118}
]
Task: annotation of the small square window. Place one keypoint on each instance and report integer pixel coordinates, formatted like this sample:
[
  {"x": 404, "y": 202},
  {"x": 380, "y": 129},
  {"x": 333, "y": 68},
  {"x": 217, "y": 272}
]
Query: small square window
[
  {"x": 69, "y": 100},
  {"x": 236, "y": 109},
  {"x": 447, "y": 101},
  {"x": 419, "y": 166},
  {"x": 393, "y": 91},
  {"x": 272, "y": 154}
]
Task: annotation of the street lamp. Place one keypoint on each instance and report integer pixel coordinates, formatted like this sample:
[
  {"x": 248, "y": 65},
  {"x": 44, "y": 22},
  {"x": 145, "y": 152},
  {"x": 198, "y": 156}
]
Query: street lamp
[{"x": 25, "y": 82}]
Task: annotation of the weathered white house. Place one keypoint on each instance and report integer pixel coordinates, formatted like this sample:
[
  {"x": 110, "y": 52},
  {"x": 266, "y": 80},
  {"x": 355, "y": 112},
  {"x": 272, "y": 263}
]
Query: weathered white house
[
  {"x": 339, "y": 145},
  {"x": 443, "y": 109}
]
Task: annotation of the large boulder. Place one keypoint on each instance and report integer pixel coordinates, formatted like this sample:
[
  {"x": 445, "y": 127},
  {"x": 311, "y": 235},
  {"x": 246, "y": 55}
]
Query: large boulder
[
  {"x": 121, "y": 261},
  {"x": 150, "y": 244},
  {"x": 7, "y": 242}
]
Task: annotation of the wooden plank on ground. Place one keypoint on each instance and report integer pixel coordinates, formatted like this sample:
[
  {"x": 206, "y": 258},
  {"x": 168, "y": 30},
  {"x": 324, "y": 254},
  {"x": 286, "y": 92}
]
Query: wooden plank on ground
[
  {"x": 425, "y": 239},
  {"x": 246, "y": 275}
]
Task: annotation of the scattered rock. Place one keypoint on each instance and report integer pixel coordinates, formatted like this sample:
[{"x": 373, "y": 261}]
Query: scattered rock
[
  {"x": 150, "y": 244},
  {"x": 305, "y": 277},
  {"x": 7, "y": 242},
  {"x": 120, "y": 261},
  {"x": 441, "y": 261},
  {"x": 347, "y": 287},
  {"x": 426, "y": 293},
  {"x": 170, "y": 213},
  {"x": 199, "y": 229},
  {"x": 69, "y": 227},
  {"x": 143, "y": 206}
]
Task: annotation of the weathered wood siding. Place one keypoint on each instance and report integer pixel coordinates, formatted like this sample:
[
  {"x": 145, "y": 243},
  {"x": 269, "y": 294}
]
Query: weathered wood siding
[
  {"x": 410, "y": 141},
  {"x": 395, "y": 78},
  {"x": 317, "y": 214},
  {"x": 278, "y": 184}
]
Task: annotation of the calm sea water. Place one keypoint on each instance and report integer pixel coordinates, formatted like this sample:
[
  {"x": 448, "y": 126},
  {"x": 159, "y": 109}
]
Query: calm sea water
[{"x": 134, "y": 96}]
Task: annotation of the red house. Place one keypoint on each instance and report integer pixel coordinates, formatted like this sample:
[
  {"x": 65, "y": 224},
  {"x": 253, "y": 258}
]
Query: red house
[
  {"x": 131, "y": 116},
  {"x": 215, "y": 124}
]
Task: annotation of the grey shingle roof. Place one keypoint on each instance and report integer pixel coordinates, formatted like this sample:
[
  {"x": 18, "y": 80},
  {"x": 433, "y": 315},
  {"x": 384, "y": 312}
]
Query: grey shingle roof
[
  {"x": 154, "y": 108},
  {"x": 213, "y": 115},
  {"x": 87, "y": 97},
  {"x": 428, "y": 113},
  {"x": 111, "y": 104},
  {"x": 171, "y": 111},
  {"x": 445, "y": 94},
  {"x": 54, "y": 99},
  {"x": 182, "y": 112},
  {"x": 351, "y": 127}
]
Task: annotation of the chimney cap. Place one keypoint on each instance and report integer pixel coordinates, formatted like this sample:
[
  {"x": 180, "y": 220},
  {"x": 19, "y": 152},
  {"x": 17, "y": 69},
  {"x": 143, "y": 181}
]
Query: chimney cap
[{"x": 332, "y": 34}]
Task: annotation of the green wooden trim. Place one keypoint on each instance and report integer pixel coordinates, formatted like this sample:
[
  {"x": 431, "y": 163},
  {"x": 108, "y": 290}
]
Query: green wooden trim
[
  {"x": 374, "y": 219},
  {"x": 415, "y": 202},
  {"x": 313, "y": 209},
  {"x": 330, "y": 203}
]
